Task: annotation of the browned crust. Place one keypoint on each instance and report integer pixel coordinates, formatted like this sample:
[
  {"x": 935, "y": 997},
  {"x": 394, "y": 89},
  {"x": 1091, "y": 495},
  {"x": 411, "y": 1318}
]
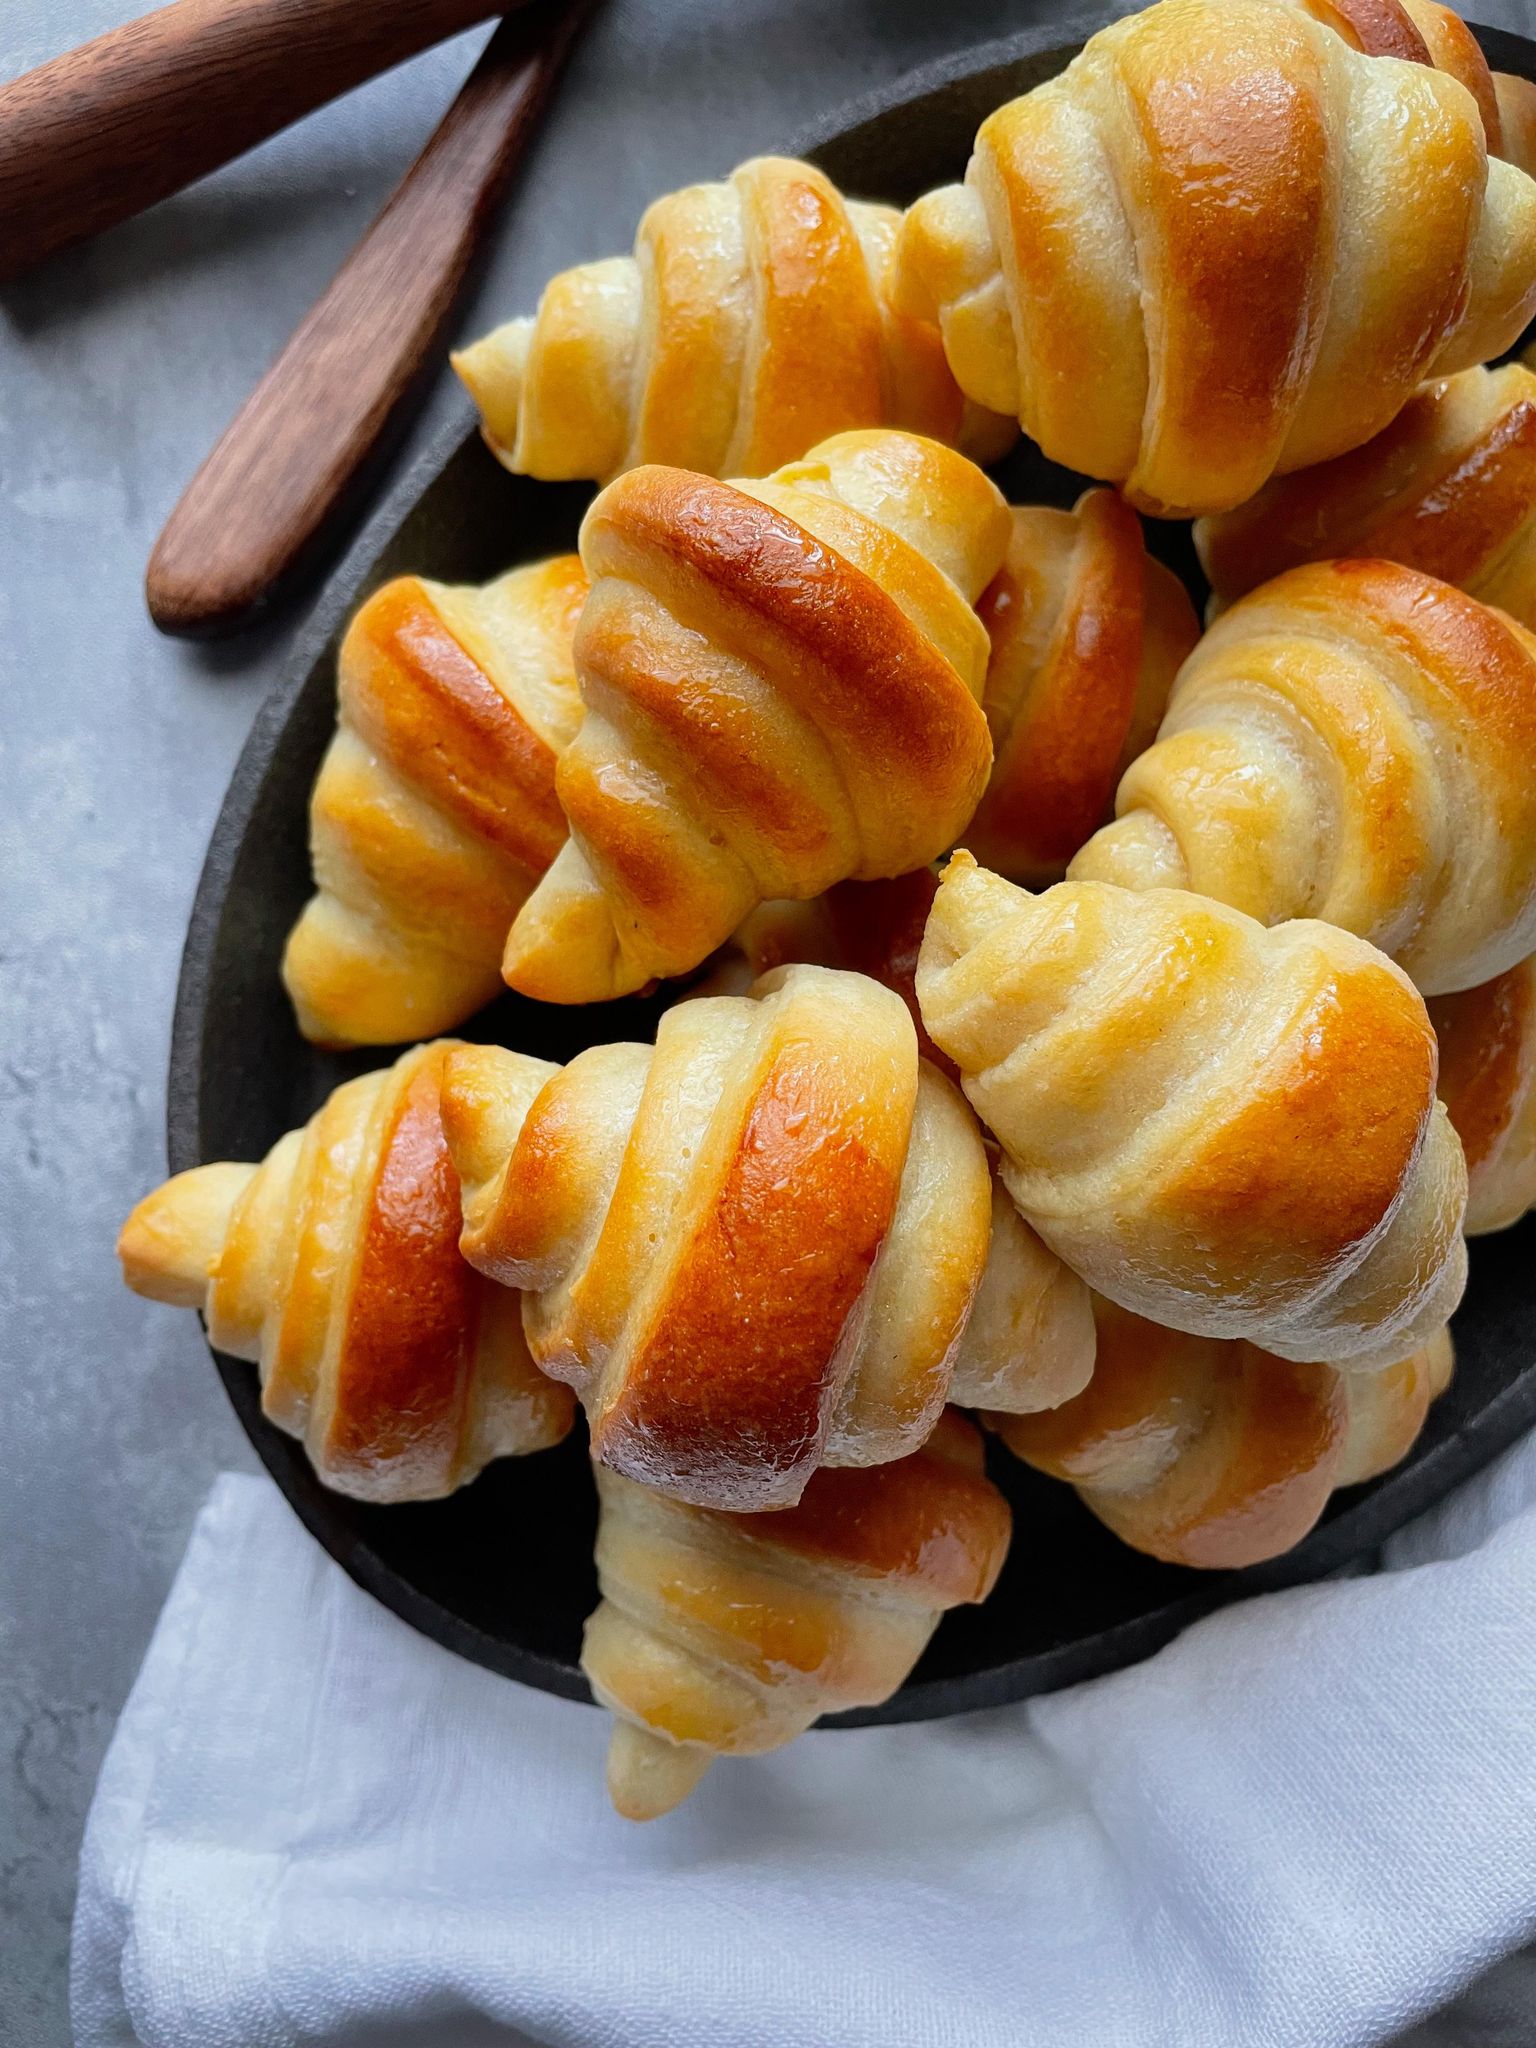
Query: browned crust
[
  {"x": 1411, "y": 496},
  {"x": 1277, "y": 1484},
  {"x": 1233, "y": 367},
  {"x": 1317, "y": 1153},
  {"x": 541, "y": 1202},
  {"x": 402, "y": 1373},
  {"x": 1465, "y": 514},
  {"x": 932, "y": 1521},
  {"x": 1056, "y": 771},
  {"x": 736, "y": 1353},
  {"x": 1516, "y": 101},
  {"x": 720, "y": 743},
  {"x": 447, "y": 727},
  {"x": 1484, "y": 1036},
  {"x": 1142, "y": 1374},
  {"x": 1480, "y": 657},
  {"x": 820, "y": 367},
  {"x": 1379, "y": 28},
  {"x": 1148, "y": 1381},
  {"x": 1453, "y": 49},
  {"x": 831, "y": 639}
]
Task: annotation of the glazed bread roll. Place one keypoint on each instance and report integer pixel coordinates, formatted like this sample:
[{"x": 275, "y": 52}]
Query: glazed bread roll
[
  {"x": 1227, "y": 1129},
  {"x": 728, "y": 1635},
  {"x": 1449, "y": 488},
  {"x": 1488, "y": 1084},
  {"x": 1209, "y": 1452},
  {"x": 1087, "y": 635},
  {"x": 1223, "y": 244},
  {"x": 782, "y": 684},
  {"x": 1507, "y": 104},
  {"x": 435, "y": 810},
  {"x": 753, "y": 320},
  {"x": 334, "y": 1266},
  {"x": 1352, "y": 742},
  {"x": 755, "y": 1248},
  {"x": 1422, "y": 32},
  {"x": 1516, "y": 99}
]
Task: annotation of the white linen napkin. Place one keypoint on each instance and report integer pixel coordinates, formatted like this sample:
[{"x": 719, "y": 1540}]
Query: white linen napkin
[{"x": 1306, "y": 1822}]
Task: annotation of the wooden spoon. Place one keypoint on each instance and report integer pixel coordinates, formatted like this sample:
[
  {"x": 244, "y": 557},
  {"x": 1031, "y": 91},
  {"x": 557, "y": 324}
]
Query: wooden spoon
[
  {"x": 261, "y": 507},
  {"x": 104, "y": 131}
]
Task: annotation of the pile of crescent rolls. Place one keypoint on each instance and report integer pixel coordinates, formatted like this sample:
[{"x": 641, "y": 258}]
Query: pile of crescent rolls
[{"x": 1106, "y": 1027}]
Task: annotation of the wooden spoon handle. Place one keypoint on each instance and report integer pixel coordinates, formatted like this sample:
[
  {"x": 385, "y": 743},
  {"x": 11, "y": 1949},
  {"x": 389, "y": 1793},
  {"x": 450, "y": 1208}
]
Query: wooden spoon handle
[
  {"x": 260, "y": 506},
  {"x": 105, "y": 130}
]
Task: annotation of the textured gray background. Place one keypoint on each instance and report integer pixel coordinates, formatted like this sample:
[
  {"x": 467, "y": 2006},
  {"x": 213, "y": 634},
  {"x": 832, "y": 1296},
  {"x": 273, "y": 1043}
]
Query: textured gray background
[{"x": 118, "y": 366}]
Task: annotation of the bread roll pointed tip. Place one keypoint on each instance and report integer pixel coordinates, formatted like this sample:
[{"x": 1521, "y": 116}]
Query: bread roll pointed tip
[
  {"x": 648, "y": 1775},
  {"x": 487, "y": 1093},
  {"x": 969, "y": 902},
  {"x": 171, "y": 1242},
  {"x": 353, "y": 981},
  {"x": 491, "y": 371},
  {"x": 1138, "y": 851},
  {"x": 563, "y": 946}
]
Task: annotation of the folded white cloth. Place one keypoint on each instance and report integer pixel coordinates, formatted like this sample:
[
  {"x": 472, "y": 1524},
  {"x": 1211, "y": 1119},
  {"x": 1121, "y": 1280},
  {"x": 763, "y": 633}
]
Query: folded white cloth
[{"x": 1308, "y": 1821}]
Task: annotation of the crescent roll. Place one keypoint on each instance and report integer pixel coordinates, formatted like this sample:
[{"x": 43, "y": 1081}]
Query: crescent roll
[
  {"x": 1506, "y": 103},
  {"x": 1226, "y": 1129},
  {"x": 1449, "y": 488},
  {"x": 1352, "y": 742},
  {"x": 435, "y": 810},
  {"x": 1087, "y": 634},
  {"x": 782, "y": 682},
  {"x": 1211, "y": 1452},
  {"x": 1227, "y": 242},
  {"x": 334, "y": 1266},
  {"x": 728, "y": 1635},
  {"x": 756, "y": 1247},
  {"x": 1488, "y": 1084},
  {"x": 1428, "y": 32},
  {"x": 753, "y": 320}
]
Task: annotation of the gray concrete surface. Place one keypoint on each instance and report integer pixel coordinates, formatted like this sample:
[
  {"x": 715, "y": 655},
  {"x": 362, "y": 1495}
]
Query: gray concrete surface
[{"x": 118, "y": 366}]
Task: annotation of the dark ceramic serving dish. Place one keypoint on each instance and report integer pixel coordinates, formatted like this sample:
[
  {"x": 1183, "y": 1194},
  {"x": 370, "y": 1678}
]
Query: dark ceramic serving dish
[{"x": 502, "y": 1572}]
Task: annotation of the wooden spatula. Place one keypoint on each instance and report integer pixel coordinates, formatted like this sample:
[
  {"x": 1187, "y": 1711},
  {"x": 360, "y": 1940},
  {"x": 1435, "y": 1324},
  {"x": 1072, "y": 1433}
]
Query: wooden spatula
[
  {"x": 105, "y": 130},
  {"x": 265, "y": 502}
]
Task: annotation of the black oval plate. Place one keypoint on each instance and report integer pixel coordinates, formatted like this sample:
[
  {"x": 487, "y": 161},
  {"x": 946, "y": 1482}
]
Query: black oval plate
[{"x": 502, "y": 1573}]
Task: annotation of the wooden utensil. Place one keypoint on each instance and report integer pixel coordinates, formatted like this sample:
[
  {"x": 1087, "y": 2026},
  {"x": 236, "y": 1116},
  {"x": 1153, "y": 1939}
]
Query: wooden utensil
[
  {"x": 105, "y": 130},
  {"x": 263, "y": 503}
]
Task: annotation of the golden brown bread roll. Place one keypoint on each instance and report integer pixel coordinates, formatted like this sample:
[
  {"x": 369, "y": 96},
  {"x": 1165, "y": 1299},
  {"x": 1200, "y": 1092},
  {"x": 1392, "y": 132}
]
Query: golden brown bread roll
[
  {"x": 1516, "y": 99},
  {"x": 1227, "y": 1129},
  {"x": 753, "y": 320},
  {"x": 1087, "y": 634},
  {"x": 1418, "y": 32},
  {"x": 756, "y": 1247},
  {"x": 1488, "y": 1084},
  {"x": 1224, "y": 244},
  {"x": 1507, "y": 104},
  {"x": 782, "y": 682},
  {"x": 434, "y": 812},
  {"x": 334, "y": 1266},
  {"x": 728, "y": 1635},
  {"x": 1209, "y": 1452},
  {"x": 1427, "y": 32},
  {"x": 1351, "y": 742},
  {"x": 1449, "y": 488}
]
